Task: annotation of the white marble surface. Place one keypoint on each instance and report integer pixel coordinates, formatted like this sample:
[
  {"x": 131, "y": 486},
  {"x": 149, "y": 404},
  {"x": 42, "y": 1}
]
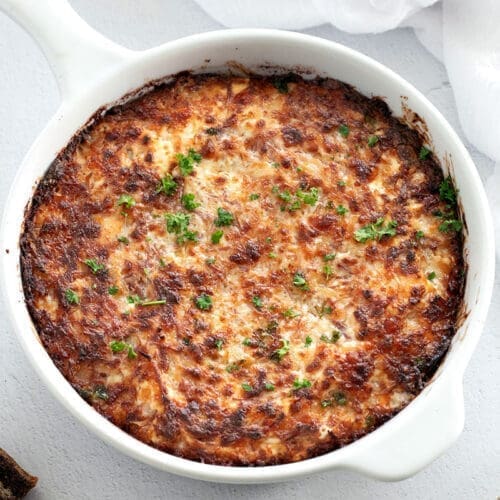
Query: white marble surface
[{"x": 70, "y": 461}]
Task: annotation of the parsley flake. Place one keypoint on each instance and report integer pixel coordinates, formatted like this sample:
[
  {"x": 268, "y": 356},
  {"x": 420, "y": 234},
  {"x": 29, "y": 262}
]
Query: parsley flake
[
  {"x": 94, "y": 266},
  {"x": 375, "y": 231},
  {"x": 447, "y": 192},
  {"x": 178, "y": 224},
  {"x": 218, "y": 344},
  {"x": 216, "y": 236},
  {"x": 327, "y": 271},
  {"x": 203, "y": 302},
  {"x": 167, "y": 185},
  {"x": 257, "y": 302},
  {"x": 188, "y": 202},
  {"x": 280, "y": 353},
  {"x": 431, "y": 275},
  {"x": 119, "y": 346},
  {"x": 450, "y": 225},
  {"x": 71, "y": 297},
  {"x": 372, "y": 140},
  {"x": 186, "y": 162},
  {"x": 126, "y": 200},
  {"x": 246, "y": 387},
  {"x": 300, "y": 281},
  {"x": 329, "y": 256},
  {"x": 419, "y": 235},
  {"x": 290, "y": 313},
  {"x": 301, "y": 384},
  {"x": 269, "y": 386},
  {"x": 254, "y": 196},
  {"x": 308, "y": 341},
  {"x": 113, "y": 290},
  {"x": 334, "y": 337},
  {"x": 123, "y": 239},
  {"x": 424, "y": 153},
  {"x": 344, "y": 130},
  {"x": 224, "y": 218},
  {"x": 341, "y": 210}
]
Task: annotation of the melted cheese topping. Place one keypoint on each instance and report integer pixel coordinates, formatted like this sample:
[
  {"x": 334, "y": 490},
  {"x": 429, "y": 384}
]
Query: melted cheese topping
[{"x": 287, "y": 338}]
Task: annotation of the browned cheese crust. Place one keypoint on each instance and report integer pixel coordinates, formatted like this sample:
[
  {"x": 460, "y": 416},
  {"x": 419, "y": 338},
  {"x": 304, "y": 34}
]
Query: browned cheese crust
[{"x": 321, "y": 312}]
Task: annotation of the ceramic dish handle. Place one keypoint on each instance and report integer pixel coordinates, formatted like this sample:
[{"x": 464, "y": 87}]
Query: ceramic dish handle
[
  {"x": 76, "y": 52},
  {"x": 416, "y": 437}
]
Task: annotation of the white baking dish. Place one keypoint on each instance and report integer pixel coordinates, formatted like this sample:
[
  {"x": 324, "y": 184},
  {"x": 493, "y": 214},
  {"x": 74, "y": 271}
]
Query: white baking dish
[{"x": 93, "y": 72}]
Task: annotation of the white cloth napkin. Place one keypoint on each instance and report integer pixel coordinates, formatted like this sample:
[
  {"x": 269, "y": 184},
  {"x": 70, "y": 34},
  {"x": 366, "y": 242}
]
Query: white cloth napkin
[{"x": 464, "y": 34}]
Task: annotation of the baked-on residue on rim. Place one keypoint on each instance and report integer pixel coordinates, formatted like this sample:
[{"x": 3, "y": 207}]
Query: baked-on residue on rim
[{"x": 245, "y": 271}]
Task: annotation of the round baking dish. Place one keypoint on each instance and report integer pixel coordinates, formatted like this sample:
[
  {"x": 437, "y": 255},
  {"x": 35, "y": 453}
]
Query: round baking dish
[{"x": 94, "y": 73}]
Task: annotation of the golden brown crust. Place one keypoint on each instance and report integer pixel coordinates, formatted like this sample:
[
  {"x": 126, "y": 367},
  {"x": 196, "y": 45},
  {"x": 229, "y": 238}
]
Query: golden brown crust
[{"x": 299, "y": 351}]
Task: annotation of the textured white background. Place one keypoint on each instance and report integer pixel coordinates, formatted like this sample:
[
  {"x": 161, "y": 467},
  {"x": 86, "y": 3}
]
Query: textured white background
[{"x": 70, "y": 461}]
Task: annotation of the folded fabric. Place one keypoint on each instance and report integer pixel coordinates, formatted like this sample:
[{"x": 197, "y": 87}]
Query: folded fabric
[{"x": 463, "y": 34}]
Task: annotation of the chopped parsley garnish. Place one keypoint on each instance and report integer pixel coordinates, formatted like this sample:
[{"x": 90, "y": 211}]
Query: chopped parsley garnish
[
  {"x": 273, "y": 255},
  {"x": 119, "y": 346},
  {"x": 71, "y": 297},
  {"x": 126, "y": 200},
  {"x": 94, "y": 266},
  {"x": 178, "y": 224},
  {"x": 275, "y": 164},
  {"x": 431, "y": 275},
  {"x": 447, "y": 192},
  {"x": 419, "y": 235},
  {"x": 341, "y": 210},
  {"x": 216, "y": 236},
  {"x": 344, "y": 130},
  {"x": 269, "y": 386},
  {"x": 210, "y": 260},
  {"x": 254, "y": 196},
  {"x": 167, "y": 185},
  {"x": 134, "y": 299},
  {"x": 233, "y": 367},
  {"x": 308, "y": 341},
  {"x": 188, "y": 202},
  {"x": 113, "y": 290},
  {"x": 424, "y": 153},
  {"x": 224, "y": 218},
  {"x": 372, "y": 140},
  {"x": 450, "y": 225},
  {"x": 341, "y": 183},
  {"x": 280, "y": 353},
  {"x": 247, "y": 341},
  {"x": 123, "y": 239},
  {"x": 334, "y": 337},
  {"x": 294, "y": 202},
  {"x": 324, "y": 309},
  {"x": 340, "y": 398},
  {"x": 327, "y": 271},
  {"x": 203, "y": 302},
  {"x": 186, "y": 162},
  {"x": 309, "y": 198},
  {"x": 246, "y": 387},
  {"x": 301, "y": 384},
  {"x": 257, "y": 302},
  {"x": 375, "y": 231},
  {"x": 329, "y": 256},
  {"x": 218, "y": 344},
  {"x": 337, "y": 397},
  {"x": 300, "y": 281},
  {"x": 290, "y": 313}
]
